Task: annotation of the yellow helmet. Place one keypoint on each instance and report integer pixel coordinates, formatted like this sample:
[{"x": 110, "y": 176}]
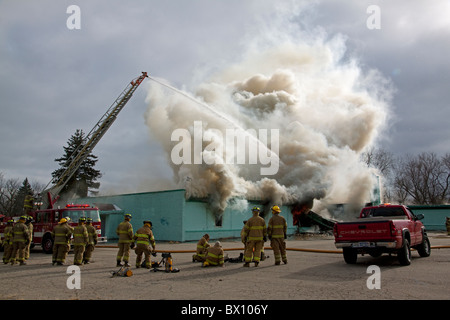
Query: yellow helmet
[
  {"x": 276, "y": 209},
  {"x": 63, "y": 220}
]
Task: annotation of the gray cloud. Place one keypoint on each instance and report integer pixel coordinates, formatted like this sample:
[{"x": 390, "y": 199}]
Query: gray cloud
[{"x": 54, "y": 80}]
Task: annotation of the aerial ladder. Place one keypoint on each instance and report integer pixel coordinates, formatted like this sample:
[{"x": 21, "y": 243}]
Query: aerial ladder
[{"x": 90, "y": 141}]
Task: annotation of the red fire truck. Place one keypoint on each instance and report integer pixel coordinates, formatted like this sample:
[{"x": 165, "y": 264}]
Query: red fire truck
[{"x": 46, "y": 219}]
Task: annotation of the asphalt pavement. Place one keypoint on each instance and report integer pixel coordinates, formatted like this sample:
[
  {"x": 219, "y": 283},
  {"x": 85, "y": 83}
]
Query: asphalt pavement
[{"x": 315, "y": 271}]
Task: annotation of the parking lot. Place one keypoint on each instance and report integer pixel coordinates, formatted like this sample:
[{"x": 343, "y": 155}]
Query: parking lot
[{"x": 315, "y": 271}]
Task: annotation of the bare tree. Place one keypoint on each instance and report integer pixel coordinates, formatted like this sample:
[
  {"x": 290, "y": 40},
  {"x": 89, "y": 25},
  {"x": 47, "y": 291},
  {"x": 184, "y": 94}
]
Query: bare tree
[
  {"x": 423, "y": 179},
  {"x": 9, "y": 189},
  {"x": 380, "y": 159}
]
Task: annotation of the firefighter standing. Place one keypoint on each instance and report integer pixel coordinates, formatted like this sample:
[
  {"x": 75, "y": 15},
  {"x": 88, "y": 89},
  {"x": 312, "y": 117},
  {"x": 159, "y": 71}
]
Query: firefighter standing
[
  {"x": 255, "y": 233},
  {"x": 214, "y": 256},
  {"x": 21, "y": 238},
  {"x": 29, "y": 225},
  {"x": 7, "y": 242},
  {"x": 144, "y": 238},
  {"x": 125, "y": 232},
  {"x": 93, "y": 238},
  {"x": 61, "y": 241},
  {"x": 276, "y": 230},
  {"x": 202, "y": 248},
  {"x": 28, "y": 204},
  {"x": 80, "y": 240}
]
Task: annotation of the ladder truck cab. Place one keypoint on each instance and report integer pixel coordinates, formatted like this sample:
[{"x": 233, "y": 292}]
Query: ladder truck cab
[{"x": 46, "y": 219}]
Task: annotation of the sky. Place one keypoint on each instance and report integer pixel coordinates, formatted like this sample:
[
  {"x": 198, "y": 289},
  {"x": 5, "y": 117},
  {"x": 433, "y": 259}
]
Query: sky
[{"x": 55, "y": 79}]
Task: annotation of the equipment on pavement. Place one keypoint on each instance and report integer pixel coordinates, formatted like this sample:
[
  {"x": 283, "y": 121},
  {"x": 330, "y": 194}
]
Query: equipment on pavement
[
  {"x": 167, "y": 262},
  {"x": 122, "y": 272}
]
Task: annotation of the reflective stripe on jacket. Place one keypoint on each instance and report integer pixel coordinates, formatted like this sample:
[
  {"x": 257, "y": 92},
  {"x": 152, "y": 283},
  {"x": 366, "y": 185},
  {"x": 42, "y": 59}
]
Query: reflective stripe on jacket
[
  {"x": 20, "y": 232},
  {"x": 125, "y": 232},
  {"x": 62, "y": 233},
  {"x": 92, "y": 233},
  {"x": 214, "y": 256},
  {"x": 277, "y": 227},
  {"x": 202, "y": 245},
  {"x": 80, "y": 235},
  {"x": 255, "y": 229},
  {"x": 144, "y": 235}
]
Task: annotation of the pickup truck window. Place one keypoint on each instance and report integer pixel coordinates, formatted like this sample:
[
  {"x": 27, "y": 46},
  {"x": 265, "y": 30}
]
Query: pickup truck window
[{"x": 383, "y": 212}]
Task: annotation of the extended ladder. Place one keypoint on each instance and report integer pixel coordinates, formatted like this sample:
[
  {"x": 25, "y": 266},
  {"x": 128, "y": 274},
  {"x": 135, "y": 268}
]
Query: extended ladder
[{"x": 93, "y": 137}]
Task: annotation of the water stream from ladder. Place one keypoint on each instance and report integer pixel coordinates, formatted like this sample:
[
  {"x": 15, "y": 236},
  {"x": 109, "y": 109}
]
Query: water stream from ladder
[{"x": 219, "y": 114}]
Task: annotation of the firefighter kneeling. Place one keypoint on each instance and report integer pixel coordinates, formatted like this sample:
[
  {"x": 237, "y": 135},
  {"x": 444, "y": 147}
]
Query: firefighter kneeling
[{"x": 214, "y": 256}]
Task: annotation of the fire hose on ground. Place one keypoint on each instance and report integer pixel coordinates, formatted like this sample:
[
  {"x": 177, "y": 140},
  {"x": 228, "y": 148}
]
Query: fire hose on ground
[{"x": 265, "y": 248}]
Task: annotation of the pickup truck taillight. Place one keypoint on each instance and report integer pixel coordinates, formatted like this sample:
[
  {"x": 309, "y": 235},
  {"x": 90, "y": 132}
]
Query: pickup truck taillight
[
  {"x": 393, "y": 229},
  {"x": 335, "y": 230}
]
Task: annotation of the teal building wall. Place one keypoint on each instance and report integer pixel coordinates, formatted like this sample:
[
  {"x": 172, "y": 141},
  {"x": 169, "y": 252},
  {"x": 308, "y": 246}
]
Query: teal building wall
[
  {"x": 174, "y": 218},
  {"x": 434, "y": 219}
]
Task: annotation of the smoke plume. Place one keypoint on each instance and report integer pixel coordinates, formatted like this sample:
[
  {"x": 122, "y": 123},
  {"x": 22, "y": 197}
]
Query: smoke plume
[{"x": 325, "y": 109}]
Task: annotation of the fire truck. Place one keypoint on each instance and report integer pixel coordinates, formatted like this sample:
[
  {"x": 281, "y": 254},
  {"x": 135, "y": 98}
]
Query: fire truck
[{"x": 46, "y": 219}]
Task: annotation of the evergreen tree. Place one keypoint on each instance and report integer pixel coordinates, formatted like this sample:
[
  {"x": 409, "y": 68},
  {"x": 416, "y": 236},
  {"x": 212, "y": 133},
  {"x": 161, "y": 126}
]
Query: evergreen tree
[
  {"x": 24, "y": 190},
  {"x": 85, "y": 178}
]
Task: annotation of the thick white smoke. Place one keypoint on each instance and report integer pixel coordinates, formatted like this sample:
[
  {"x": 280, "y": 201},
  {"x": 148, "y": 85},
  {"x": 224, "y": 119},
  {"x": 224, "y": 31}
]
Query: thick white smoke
[{"x": 325, "y": 111}]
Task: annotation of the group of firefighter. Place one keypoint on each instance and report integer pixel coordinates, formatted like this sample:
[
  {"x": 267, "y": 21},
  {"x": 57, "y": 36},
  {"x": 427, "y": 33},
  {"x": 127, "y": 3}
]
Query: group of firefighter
[
  {"x": 18, "y": 237},
  {"x": 83, "y": 237},
  {"x": 17, "y": 241},
  {"x": 253, "y": 235}
]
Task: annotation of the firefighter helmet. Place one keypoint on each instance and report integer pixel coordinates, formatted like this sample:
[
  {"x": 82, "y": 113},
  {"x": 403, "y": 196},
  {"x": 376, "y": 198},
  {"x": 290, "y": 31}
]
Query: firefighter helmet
[{"x": 276, "y": 209}]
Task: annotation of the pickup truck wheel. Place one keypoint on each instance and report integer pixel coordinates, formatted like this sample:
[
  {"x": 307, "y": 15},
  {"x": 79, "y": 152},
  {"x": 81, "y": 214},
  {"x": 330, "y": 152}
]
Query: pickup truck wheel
[
  {"x": 350, "y": 255},
  {"x": 424, "y": 249},
  {"x": 404, "y": 254}
]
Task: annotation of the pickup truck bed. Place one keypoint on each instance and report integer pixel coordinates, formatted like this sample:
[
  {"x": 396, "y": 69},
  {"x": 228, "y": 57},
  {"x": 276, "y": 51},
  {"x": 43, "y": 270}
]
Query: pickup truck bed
[{"x": 382, "y": 229}]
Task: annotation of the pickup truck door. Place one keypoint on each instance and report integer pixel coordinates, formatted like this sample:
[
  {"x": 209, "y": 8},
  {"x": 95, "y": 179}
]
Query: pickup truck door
[{"x": 416, "y": 229}]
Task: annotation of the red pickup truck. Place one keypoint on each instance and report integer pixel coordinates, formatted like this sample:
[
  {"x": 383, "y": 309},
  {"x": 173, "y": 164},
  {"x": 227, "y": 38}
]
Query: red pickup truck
[{"x": 383, "y": 229}]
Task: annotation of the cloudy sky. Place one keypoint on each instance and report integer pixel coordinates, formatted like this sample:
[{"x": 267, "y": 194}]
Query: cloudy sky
[{"x": 54, "y": 80}]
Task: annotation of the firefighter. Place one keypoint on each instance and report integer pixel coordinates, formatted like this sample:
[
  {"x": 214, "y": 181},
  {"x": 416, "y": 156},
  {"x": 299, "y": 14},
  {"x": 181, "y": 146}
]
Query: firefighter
[
  {"x": 61, "y": 235},
  {"x": 255, "y": 233},
  {"x": 21, "y": 238},
  {"x": 125, "y": 232},
  {"x": 7, "y": 242},
  {"x": 80, "y": 240},
  {"x": 277, "y": 232},
  {"x": 29, "y": 225},
  {"x": 144, "y": 238},
  {"x": 93, "y": 238},
  {"x": 28, "y": 203},
  {"x": 202, "y": 248},
  {"x": 214, "y": 256}
]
